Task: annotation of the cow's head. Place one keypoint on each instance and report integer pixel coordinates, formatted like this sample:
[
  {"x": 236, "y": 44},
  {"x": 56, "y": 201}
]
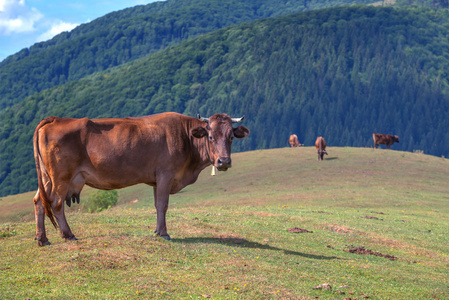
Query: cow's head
[
  {"x": 396, "y": 138},
  {"x": 219, "y": 134}
]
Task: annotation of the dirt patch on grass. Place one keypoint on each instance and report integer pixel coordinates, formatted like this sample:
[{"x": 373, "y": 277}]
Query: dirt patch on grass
[
  {"x": 340, "y": 229},
  {"x": 373, "y": 218},
  {"x": 299, "y": 230},
  {"x": 378, "y": 212},
  {"x": 363, "y": 251}
]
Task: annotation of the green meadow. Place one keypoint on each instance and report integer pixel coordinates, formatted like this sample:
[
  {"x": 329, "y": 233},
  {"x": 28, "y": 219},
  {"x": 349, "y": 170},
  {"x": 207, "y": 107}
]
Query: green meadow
[{"x": 362, "y": 224}]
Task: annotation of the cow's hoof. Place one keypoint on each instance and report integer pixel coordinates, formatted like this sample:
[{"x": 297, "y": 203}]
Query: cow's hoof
[
  {"x": 165, "y": 237},
  {"x": 73, "y": 238},
  {"x": 41, "y": 244}
]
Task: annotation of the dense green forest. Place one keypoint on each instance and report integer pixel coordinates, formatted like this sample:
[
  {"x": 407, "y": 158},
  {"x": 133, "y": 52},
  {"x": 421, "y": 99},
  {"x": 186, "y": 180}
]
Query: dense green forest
[
  {"x": 437, "y": 4},
  {"x": 132, "y": 33},
  {"x": 342, "y": 73}
]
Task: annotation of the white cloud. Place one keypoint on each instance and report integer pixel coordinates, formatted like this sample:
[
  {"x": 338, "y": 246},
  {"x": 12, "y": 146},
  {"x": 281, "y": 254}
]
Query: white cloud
[
  {"x": 56, "y": 28},
  {"x": 16, "y": 17}
]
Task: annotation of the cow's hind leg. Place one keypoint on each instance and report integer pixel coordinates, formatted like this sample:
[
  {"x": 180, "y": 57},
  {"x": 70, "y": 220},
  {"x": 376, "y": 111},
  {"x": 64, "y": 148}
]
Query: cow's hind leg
[
  {"x": 69, "y": 194},
  {"x": 58, "y": 211},
  {"x": 39, "y": 215}
]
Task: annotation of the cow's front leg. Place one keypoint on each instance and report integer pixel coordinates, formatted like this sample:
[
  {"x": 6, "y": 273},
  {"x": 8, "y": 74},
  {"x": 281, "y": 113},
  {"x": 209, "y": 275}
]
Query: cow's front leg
[{"x": 161, "y": 195}]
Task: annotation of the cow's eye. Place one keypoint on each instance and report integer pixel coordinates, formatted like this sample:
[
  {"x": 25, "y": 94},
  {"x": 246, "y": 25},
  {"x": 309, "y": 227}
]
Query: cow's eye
[
  {"x": 231, "y": 138},
  {"x": 211, "y": 138}
]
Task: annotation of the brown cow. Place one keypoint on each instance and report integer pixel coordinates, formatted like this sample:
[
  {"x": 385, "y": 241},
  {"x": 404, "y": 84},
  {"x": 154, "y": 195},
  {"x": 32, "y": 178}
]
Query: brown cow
[
  {"x": 320, "y": 145},
  {"x": 386, "y": 139},
  {"x": 293, "y": 141},
  {"x": 166, "y": 151}
]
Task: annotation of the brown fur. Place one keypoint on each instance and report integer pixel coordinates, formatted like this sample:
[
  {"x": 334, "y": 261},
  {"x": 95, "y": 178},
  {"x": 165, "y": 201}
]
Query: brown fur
[
  {"x": 320, "y": 145},
  {"x": 293, "y": 141},
  {"x": 385, "y": 139}
]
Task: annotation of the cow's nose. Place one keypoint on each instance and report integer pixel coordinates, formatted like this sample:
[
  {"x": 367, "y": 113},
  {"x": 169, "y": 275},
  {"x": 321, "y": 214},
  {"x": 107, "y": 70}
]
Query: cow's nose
[{"x": 223, "y": 163}]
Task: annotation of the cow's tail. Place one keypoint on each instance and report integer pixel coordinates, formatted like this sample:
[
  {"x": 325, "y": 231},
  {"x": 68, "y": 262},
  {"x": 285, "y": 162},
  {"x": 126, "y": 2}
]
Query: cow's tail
[{"x": 38, "y": 158}]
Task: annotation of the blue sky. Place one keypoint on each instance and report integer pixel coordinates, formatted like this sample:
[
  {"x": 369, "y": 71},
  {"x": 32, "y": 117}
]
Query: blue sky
[{"x": 26, "y": 22}]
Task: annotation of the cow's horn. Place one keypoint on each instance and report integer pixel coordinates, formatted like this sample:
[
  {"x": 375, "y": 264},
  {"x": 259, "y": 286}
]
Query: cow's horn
[
  {"x": 237, "y": 120},
  {"x": 203, "y": 119}
]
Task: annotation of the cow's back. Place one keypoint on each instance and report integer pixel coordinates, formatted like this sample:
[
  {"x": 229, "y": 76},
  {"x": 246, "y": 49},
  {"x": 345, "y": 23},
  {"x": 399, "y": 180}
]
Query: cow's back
[
  {"x": 320, "y": 143},
  {"x": 116, "y": 152},
  {"x": 386, "y": 139}
]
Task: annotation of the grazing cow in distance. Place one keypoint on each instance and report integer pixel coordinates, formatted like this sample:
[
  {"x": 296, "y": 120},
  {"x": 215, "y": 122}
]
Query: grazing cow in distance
[
  {"x": 386, "y": 139},
  {"x": 166, "y": 151},
  {"x": 293, "y": 141},
  {"x": 320, "y": 145}
]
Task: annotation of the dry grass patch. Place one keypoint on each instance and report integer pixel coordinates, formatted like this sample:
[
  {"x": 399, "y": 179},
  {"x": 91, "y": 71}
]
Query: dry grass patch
[
  {"x": 339, "y": 229},
  {"x": 262, "y": 214}
]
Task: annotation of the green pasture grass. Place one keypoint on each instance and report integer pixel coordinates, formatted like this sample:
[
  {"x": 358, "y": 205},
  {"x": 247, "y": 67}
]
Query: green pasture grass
[{"x": 231, "y": 237}]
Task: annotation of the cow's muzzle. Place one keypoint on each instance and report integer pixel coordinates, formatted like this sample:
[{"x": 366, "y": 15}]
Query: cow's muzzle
[{"x": 223, "y": 163}]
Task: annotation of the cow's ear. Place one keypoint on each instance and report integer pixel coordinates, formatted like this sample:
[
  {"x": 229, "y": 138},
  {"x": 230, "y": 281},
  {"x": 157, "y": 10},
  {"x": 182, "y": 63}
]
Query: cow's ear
[
  {"x": 199, "y": 132},
  {"x": 241, "y": 132}
]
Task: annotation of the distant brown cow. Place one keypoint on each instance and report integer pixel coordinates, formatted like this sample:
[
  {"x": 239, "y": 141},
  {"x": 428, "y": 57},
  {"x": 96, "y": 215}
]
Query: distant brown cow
[
  {"x": 166, "y": 151},
  {"x": 293, "y": 141},
  {"x": 320, "y": 145},
  {"x": 386, "y": 139}
]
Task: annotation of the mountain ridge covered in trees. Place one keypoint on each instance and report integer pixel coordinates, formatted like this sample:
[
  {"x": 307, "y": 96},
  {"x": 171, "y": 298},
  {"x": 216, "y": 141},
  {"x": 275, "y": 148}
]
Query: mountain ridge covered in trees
[
  {"x": 132, "y": 33},
  {"x": 342, "y": 73}
]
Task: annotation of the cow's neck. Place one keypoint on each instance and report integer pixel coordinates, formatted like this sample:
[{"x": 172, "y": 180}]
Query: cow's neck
[
  {"x": 206, "y": 149},
  {"x": 203, "y": 153}
]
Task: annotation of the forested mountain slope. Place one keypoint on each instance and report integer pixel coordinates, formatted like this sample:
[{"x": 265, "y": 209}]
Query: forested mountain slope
[
  {"x": 342, "y": 73},
  {"x": 125, "y": 35}
]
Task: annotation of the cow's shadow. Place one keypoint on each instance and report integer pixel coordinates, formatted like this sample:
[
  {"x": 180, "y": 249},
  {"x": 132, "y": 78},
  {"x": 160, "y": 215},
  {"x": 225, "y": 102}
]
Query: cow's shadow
[
  {"x": 239, "y": 242},
  {"x": 331, "y": 158}
]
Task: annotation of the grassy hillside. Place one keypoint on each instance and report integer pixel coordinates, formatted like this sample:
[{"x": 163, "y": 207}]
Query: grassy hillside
[{"x": 231, "y": 235}]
